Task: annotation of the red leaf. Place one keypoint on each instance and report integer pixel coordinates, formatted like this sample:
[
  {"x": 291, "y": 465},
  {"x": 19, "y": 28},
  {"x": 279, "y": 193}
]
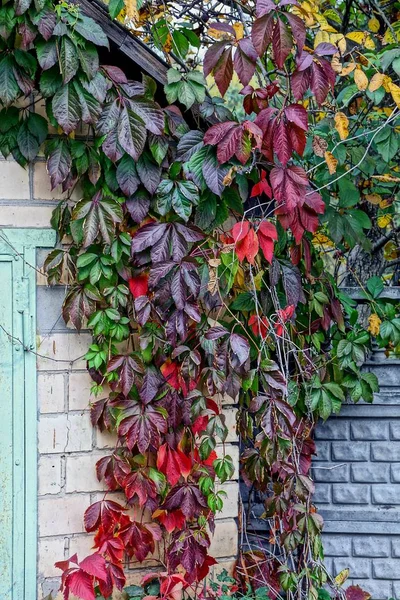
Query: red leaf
[
  {"x": 95, "y": 565},
  {"x": 298, "y": 30},
  {"x": 170, "y": 370},
  {"x": 217, "y": 132},
  {"x": 139, "y": 285},
  {"x": 246, "y": 241},
  {"x": 259, "y": 326},
  {"x": 64, "y": 564},
  {"x": 218, "y": 61},
  {"x": 289, "y": 185},
  {"x": 105, "y": 512},
  {"x": 319, "y": 83},
  {"x": 127, "y": 368},
  {"x": 300, "y": 82},
  {"x": 354, "y": 592},
  {"x": 261, "y": 187},
  {"x": 138, "y": 484},
  {"x": 266, "y": 235},
  {"x": 245, "y": 60},
  {"x": 281, "y": 43},
  {"x": 173, "y": 463},
  {"x": 282, "y": 144},
  {"x": 261, "y": 34},
  {"x": 170, "y": 519},
  {"x": 115, "y": 73},
  {"x": 81, "y": 584},
  {"x": 230, "y": 144},
  {"x": 298, "y": 138},
  {"x": 297, "y": 114},
  {"x": 304, "y": 217},
  {"x": 234, "y": 139}
]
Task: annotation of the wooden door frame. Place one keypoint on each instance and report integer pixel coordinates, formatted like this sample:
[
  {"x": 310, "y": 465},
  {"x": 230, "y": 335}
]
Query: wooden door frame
[{"x": 21, "y": 245}]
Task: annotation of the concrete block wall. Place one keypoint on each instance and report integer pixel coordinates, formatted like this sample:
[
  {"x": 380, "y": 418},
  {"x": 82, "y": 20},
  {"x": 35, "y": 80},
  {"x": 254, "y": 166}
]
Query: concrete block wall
[
  {"x": 68, "y": 447},
  {"x": 357, "y": 475}
]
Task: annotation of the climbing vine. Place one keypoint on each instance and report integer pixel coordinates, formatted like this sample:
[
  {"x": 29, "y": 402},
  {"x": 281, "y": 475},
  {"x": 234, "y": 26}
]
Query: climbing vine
[{"x": 205, "y": 255}]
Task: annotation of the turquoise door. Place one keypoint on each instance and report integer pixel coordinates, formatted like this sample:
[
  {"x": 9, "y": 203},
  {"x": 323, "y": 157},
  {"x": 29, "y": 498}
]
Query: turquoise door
[{"x": 18, "y": 412}]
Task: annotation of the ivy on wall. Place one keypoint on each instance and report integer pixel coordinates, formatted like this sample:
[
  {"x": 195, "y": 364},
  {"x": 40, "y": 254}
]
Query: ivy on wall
[{"x": 206, "y": 264}]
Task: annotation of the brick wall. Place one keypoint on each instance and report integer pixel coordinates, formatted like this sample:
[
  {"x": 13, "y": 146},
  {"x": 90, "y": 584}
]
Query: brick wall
[
  {"x": 68, "y": 447},
  {"x": 357, "y": 476}
]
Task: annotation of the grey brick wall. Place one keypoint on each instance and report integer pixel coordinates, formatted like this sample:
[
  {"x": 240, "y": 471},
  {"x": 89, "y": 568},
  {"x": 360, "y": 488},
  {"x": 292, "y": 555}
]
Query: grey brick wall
[{"x": 357, "y": 475}]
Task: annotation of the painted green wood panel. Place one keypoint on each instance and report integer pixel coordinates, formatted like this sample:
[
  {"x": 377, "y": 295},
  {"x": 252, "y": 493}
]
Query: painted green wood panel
[
  {"x": 18, "y": 411},
  {"x": 6, "y": 441}
]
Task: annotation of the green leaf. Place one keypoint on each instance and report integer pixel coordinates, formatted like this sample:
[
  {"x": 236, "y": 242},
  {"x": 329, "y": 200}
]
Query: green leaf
[
  {"x": 131, "y": 132},
  {"x": 115, "y": 7},
  {"x": 387, "y": 146},
  {"x": 89, "y": 60},
  {"x": 158, "y": 147},
  {"x": 7, "y": 21},
  {"x": 91, "y": 31},
  {"x": 50, "y": 82},
  {"x": 66, "y": 108},
  {"x": 9, "y": 89},
  {"x": 26, "y": 60},
  {"x": 375, "y": 286},
  {"x": 37, "y": 126},
  {"x": 47, "y": 54},
  {"x": 173, "y": 76},
  {"x": 244, "y": 302},
  {"x": 69, "y": 62},
  {"x": 27, "y": 142},
  {"x": 186, "y": 94},
  {"x": 348, "y": 193},
  {"x": 334, "y": 389},
  {"x": 206, "y": 210}
]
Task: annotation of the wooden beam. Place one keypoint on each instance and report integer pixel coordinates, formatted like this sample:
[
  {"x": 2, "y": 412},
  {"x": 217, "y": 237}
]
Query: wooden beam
[{"x": 133, "y": 48}]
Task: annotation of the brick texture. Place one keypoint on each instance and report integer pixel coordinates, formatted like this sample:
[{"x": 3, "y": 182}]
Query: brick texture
[{"x": 357, "y": 475}]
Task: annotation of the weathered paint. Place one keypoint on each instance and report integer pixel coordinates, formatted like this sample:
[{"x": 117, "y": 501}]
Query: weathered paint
[{"x": 18, "y": 412}]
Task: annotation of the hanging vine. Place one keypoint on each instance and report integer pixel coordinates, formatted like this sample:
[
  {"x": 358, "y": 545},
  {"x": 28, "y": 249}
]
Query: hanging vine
[{"x": 206, "y": 263}]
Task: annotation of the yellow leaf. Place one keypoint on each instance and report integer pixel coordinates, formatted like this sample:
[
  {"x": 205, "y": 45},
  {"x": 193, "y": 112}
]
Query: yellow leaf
[
  {"x": 386, "y": 178},
  {"x": 342, "y": 125},
  {"x": 239, "y": 30},
  {"x": 336, "y": 64},
  {"x": 322, "y": 36},
  {"x": 342, "y": 576},
  {"x": 331, "y": 162},
  {"x": 362, "y": 38},
  {"x": 360, "y": 79},
  {"x": 373, "y": 198},
  {"x": 389, "y": 38},
  {"x": 395, "y": 91},
  {"x": 342, "y": 44},
  {"x": 390, "y": 251},
  {"x": 385, "y": 203},
  {"x": 374, "y": 327},
  {"x": 258, "y": 280},
  {"x": 349, "y": 69},
  {"x": 227, "y": 180},
  {"x": 239, "y": 279},
  {"x": 383, "y": 221},
  {"x": 373, "y": 25},
  {"x": 320, "y": 239},
  {"x": 132, "y": 12},
  {"x": 386, "y": 83},
  {"x": 216, "y": 34},
  {"x": 376, "y": 82}
]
